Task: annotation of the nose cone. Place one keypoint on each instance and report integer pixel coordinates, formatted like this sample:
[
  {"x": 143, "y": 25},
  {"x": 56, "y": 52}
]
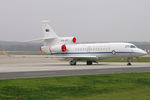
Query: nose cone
[
  {"x": 145, "y": 53},
  {"x": 142, "y": 52}
]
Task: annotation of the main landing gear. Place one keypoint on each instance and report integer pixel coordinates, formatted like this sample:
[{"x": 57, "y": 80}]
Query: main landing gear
[
  {"x": 89, "y": 62},
  {"x": 129, "y": 61},
  {"x": 74, "y": 62}
]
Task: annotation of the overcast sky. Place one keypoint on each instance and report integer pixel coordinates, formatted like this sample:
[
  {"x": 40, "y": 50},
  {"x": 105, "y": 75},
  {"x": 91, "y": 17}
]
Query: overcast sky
[{"x": 88, "y": 20}]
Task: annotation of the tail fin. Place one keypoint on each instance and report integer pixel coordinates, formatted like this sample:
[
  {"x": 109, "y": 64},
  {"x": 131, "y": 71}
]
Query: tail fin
[{"x": 48, "y": 31}]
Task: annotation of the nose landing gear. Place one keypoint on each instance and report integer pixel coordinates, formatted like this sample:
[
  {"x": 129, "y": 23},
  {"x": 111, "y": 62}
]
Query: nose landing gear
[{"x": 129, "y": 61}]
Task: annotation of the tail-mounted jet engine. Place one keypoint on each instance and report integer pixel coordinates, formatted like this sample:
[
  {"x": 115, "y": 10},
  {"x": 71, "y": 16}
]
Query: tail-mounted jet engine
[
  {"x": 56, "y": 48},
  {"x": 59, "y": 48},
  {"x": 68, "y": 40}
]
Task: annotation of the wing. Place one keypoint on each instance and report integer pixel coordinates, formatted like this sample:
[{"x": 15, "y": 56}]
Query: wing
[{"x": 79, "y": 57}]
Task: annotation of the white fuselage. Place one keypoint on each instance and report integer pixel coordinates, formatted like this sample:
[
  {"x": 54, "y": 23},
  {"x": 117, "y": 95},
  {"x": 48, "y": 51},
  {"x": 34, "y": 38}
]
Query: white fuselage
[{"x": 97, "y": 51}]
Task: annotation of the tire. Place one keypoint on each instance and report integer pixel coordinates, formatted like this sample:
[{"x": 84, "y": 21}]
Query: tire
[
  {"x": 73, "y": 62},
  {"x": 89, "y": 62},
  {"x": 129, "y": 64}
]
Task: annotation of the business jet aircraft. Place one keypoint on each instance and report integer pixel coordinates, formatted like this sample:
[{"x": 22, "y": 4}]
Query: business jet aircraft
[{"x": 66, "y": 47}]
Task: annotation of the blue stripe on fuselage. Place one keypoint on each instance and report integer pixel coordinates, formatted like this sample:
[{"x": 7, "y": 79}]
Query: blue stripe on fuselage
[{"x": 91, "y": 52}]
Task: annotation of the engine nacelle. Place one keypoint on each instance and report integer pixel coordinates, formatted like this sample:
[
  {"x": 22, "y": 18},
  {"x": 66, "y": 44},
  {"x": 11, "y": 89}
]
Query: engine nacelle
[
  {"x": 59, "y": 48},
  {"x": 68, "y": 40}
]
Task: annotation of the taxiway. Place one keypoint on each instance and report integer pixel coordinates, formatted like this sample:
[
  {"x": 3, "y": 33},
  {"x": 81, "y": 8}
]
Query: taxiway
[{"x": 31, "y": 67}]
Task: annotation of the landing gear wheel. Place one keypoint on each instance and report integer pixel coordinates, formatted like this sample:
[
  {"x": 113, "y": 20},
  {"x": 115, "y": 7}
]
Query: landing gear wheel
[
  {"x": 73, "y": 62},
  {"x": 89, "y": 62},
  {"x": 129, "y": 64}
]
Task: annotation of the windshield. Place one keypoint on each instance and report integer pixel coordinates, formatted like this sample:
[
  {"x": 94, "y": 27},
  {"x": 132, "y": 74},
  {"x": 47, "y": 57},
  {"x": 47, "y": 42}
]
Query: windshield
[{"x": 130, "y": 46}]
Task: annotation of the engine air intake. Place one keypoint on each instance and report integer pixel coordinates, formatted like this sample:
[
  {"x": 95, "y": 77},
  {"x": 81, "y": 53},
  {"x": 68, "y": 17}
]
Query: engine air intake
[
  {"x": 63, "y": 48},
  {"x": 74, "y": 40}
]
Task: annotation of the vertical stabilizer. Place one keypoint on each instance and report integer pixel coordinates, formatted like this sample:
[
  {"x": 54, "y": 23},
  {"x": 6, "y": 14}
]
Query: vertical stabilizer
[{"x": 48, "y": 31}]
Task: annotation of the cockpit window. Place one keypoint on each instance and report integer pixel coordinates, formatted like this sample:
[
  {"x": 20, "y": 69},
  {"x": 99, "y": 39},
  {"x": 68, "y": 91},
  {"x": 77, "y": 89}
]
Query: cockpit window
[{"x": 132, "y": 46}]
